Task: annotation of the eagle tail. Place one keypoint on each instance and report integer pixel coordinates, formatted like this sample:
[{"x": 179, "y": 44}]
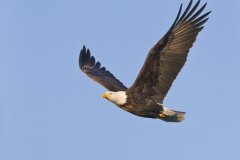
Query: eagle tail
[{"x": 169, "y": 115}]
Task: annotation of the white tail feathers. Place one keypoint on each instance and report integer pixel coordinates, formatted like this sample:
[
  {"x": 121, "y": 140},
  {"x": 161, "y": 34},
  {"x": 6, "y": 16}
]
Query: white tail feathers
[{"x": 171, "y": 115}]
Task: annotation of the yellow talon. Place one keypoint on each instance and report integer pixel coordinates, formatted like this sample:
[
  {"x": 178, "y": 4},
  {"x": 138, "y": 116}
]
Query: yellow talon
[{"x": 162, "y": 115}]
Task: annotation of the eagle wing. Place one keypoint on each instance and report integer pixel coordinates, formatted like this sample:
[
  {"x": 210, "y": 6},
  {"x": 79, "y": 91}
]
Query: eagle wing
[
  {"x": 168, "y": 55},
  {"x": 99, "y": 74}
]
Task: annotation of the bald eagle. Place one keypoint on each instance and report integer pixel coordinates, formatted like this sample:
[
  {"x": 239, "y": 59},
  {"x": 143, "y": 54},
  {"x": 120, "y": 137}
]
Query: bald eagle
[{"x": 162, "y": 65}]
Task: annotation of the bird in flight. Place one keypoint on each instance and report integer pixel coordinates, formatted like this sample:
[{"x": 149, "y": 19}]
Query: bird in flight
[{"x": 162, "y": 65}]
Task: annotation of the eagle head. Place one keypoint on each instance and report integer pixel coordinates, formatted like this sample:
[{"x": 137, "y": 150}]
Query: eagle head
[{"x": 119, "y": 97}]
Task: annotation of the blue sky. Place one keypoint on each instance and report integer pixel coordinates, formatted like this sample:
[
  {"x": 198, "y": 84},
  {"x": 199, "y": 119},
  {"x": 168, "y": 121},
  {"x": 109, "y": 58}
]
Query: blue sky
[{"x": 50, "y": 110}]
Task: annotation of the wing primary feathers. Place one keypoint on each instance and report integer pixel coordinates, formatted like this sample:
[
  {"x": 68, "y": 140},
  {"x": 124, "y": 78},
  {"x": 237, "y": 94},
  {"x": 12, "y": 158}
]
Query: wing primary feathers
[
  {"x": 82, "y": 56},
  {"x": 93, "y": 69},
  {"x": 192, "y": 10},
  {"x": 201, "y": 23},
  {"x": 92, "y": 61},
  {"x": 186, "y": 11},
  {"x": 87, "y": 57},
  {"x": 176, "y": 20},
  {"x": 103, "y": 69},
  {"x": 198, "y": 12},
  {"x": 201, "y": 19},
  {"x": 98, "y": 65}
]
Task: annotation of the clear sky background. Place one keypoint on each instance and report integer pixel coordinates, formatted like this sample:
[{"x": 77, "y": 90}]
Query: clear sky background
[{"x": 50, "y": 110}]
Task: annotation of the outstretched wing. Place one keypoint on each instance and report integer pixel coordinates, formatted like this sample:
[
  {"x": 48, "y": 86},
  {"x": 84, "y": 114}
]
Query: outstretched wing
[
  {"x": 167, "y": 57},
  {"x": 99, "y": 74}
]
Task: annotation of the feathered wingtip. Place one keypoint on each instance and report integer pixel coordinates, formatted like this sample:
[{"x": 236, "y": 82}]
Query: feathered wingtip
[
  {"x": 85, "y": 58},
  {"x": 82, "y": 56},
  {"x": 190, "y": 15}
]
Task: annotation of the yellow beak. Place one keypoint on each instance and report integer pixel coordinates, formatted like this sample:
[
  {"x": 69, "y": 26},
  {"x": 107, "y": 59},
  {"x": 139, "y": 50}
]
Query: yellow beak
[{"x": 104, "y": 95}]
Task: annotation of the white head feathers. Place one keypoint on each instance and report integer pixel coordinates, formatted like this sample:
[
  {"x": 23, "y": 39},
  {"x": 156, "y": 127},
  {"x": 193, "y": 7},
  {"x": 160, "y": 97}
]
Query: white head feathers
[{"x": 119, "y": 97}]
